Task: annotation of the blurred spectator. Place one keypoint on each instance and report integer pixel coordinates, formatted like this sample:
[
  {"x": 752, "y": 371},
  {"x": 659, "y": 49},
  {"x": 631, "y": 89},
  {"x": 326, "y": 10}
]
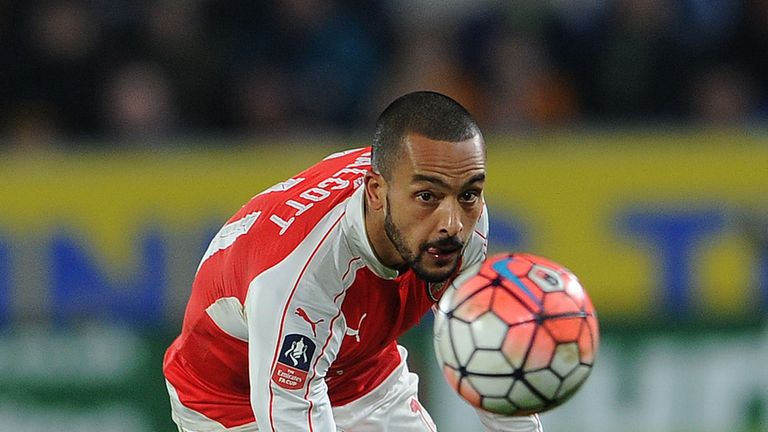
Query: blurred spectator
[
  {"x": 120, "y": 68},
  {"x": 508, "y": 57},
  {"x": 747, "y": 47},
  {"x": 314, "y": 63},
  {"x": 139, "y": 103},
  {"x": 33, "y": 127},
  {"x": 331, "y": 60},
  {"x": 262, "y": 99},
  {"x": 176, "y": 38},
  {"x": 427, "y": 59},
  {"x": 56, "y": 68},
  {"x": 641, "y": 69},
  {"x": 723, "y": 95}
]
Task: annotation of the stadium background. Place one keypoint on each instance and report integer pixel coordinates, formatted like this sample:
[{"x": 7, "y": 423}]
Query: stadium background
[{"x": 626, "y": 139}]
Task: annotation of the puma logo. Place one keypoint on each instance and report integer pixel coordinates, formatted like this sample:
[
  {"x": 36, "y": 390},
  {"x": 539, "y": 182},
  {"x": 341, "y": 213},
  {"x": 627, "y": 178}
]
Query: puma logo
[
  {"x": 355, "y": 332},
  {"x": 303, "y": 314}
]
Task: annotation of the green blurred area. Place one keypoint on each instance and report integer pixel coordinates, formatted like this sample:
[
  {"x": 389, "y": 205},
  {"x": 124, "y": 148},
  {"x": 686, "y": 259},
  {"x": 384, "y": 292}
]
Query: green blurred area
[
  {"x": 637, "y": 374},
  {"x": 86, "y": 379}
]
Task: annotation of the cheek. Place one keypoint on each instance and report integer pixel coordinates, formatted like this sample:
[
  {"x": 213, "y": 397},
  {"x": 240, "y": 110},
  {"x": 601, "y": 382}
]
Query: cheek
[
  {"x": 406, "y": 212},
  {"x": 474, "y": 215},
  {"x": 471, "y": 218},
  {"x": 413, "y": 224}
]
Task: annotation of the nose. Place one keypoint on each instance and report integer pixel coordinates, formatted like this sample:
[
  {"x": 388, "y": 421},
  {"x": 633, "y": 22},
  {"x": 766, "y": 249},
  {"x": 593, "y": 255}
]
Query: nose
[{"x": 450, "y": 223}]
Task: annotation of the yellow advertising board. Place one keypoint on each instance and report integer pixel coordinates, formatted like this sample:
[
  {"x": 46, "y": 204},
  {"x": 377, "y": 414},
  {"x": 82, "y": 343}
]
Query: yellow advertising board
[
  {"x": 654, "y": 225},
  {"x": 651, "y": 224}
]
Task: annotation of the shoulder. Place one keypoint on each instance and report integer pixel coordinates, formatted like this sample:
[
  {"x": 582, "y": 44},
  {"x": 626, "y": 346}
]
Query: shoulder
[
  {"x": 337, "y": 174},
  {"x": 302, "y": 212},
  {"x": 477, "y": 245}
]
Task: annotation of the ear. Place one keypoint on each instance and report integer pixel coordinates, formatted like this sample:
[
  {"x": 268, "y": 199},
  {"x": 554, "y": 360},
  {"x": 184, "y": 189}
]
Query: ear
[{"x": 375, "y": 191}]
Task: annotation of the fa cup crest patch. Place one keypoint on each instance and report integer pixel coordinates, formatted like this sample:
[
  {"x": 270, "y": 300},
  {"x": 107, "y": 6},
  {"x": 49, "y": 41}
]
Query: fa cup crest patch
[{"x": 293, "y": 361}]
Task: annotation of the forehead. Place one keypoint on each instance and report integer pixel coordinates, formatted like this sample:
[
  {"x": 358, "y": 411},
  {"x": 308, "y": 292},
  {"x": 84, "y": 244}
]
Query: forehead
[{"x": 448, "y": 161}]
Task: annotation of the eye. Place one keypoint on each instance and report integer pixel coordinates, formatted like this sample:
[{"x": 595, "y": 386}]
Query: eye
[
  {"x": 469, "y": 196},
  {"x": 425, "y": 197}
]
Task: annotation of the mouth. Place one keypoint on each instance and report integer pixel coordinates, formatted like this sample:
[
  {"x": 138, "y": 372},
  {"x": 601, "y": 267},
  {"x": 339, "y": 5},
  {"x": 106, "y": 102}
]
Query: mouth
[{"x": 442, "y": 255}]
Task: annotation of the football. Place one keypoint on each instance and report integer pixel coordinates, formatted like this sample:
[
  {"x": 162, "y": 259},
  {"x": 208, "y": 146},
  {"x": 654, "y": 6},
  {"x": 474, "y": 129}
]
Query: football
[{"x": 516, "y": 334}]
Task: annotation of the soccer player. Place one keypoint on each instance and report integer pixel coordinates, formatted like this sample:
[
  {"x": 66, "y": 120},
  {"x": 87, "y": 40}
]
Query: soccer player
[{"x": 297, "y": 304}]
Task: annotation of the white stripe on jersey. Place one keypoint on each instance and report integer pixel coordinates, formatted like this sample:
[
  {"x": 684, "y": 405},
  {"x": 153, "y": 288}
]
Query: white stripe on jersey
[
  {"x": 228, "y": 234},
  {"x": 228, "y": 314}
]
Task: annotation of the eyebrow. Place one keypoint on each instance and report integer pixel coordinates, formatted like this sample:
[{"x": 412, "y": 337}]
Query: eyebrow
[{"x": 440, "y": 182}]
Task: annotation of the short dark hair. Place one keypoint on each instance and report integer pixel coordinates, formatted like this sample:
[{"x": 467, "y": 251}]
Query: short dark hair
[{"x": 430, "y": 114}]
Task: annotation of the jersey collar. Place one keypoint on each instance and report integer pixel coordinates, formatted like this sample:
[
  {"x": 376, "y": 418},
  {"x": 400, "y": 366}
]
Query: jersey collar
[{"x": 354, "y": 226}]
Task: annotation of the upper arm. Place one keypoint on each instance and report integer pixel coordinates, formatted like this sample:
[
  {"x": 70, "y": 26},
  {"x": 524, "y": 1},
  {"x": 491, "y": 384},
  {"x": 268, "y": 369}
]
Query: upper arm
[{"x": 291, "y": 345}]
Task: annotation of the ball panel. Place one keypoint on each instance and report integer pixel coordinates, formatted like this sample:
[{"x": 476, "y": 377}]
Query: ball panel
[
  {"x": 509, "y": 308},
  {"x": 491, "y": 386},
  {"x": 469, "y": 393},
  {"x": 564, "y": 329},
  {"x": 593, "y": 328},
  {"x": 540, "y": 354},
  {"x": 566, "y": 359},
  {"x": 558, "y": 303},
  {"x": 546, "y": 278},
  {"x": 524, "y": 398},
  {"x": 573, "y": 381},
  {"x": 574, "y": 289},
  {"x": 489, "y": 361},
  {"x": 518, "y": 265},
  {"x": 487, "y": 271},
  {"x": 452, "y": 376},
  {"x": 489, "y": 331},
  {"x": 444, "y": 348},
  {"x": 498, "y": 405},
  {"x": 517, "y": 343},
  {"x": 461, "y": 340},
  {"x": 586, "y": 344},
  {"x": 469, "y": 288},
  {"x": 471, "y": 307},
  {"x": 527, "y": 295},
  {"x": 512, "y": 274},
  {"x": 545, "y": 382},
  {"x": 535, "y": 259}
]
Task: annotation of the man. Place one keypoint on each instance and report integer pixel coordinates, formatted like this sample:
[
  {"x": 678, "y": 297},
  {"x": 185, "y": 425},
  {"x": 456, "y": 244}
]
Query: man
[{"x": 298, "y": 302}]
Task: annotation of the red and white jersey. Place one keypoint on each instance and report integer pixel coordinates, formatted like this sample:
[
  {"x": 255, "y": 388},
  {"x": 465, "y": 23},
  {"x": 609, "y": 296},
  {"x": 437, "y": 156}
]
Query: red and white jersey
[{"x": 291, "y": 313}]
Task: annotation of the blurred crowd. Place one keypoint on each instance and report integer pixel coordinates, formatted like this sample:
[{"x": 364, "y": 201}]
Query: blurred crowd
[{"x": 108, "y": 71}]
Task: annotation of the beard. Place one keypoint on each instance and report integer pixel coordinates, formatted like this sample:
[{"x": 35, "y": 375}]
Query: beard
[{"x": 414, "y": 259}]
